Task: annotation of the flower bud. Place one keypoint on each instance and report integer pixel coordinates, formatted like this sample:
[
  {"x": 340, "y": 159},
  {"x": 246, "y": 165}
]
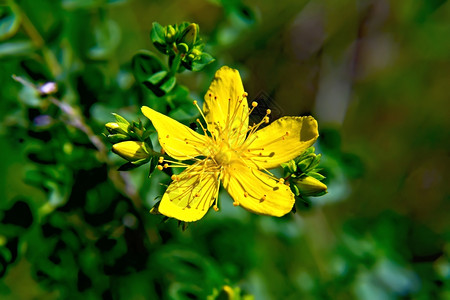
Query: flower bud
[
  {"x": 48, "y": 88},
  {"x": 189, "y": 35},
  {"x": 131, "y": 150},
  {"x": 309, "y": 186},
  {"x": 113, "y": 128},
  {"x": 170, "y": 33},
  {"x": 183, "y": 48}
]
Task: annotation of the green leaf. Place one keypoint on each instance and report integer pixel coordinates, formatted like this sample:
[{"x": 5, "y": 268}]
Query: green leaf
[
  {"x": 200, "y": 63},
  {"x": 157, "y": 77},
  {"x": 145, "y": 64},
  {"x": 169, "y": 84},
  {"x": 17, "y": 48},
  {"x": 9, "y": 22},
  {"x": 157, "y": 35}
]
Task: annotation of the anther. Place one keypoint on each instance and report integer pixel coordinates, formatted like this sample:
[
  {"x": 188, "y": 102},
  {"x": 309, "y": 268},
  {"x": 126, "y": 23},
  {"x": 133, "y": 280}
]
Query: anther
[
  {"x": 216, "y": 208},
  {"x": 161, "y": 159},
  {"x": 195, "y": 102},
  {"x": 268, "y": 111},
  {"x": 235, "y": 203},
  {"x": 160, "y": 167},
  {"x": 266, "y": 119},
  {"x": 245, "y": 94},
  {"x": 254, "y": 104},
  {"x": 173, "y": 177},
  {"x": 166, "y": 166},
  {"x": 281, "y": 181}
]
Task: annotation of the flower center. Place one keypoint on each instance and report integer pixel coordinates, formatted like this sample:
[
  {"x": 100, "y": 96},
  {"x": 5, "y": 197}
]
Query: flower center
[{"x": 224, "y": 155}]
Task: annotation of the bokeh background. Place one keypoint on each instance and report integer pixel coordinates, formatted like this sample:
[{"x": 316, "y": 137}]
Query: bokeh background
[{"x": 374, "y": 73}]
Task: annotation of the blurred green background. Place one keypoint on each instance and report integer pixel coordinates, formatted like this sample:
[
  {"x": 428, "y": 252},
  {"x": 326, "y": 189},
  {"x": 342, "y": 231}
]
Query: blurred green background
[{"x": 374, "y": 73}]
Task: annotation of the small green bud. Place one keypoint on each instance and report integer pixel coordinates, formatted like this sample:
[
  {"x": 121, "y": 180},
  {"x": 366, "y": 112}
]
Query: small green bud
[
  {"x": 191, "y": 56},
  {"x": 189, "y": 35},
  {"x": 170, "y": 33},
  {"x": 309, "y": 186},
  {"x": 113, "y": 128},
  {"x": 131, "y": 150},
  {"x": 196, "y": 52},
  {"x": 183, "y": 48}
]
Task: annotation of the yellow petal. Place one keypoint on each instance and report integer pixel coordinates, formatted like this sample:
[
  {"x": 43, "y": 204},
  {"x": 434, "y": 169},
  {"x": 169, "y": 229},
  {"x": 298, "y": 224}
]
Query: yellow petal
[
  {"x": 178, "y": 140},
  {"x": 256, "y": 191},
  {"x": 281, "y": 141},
  {"x": 189, "y": 196},
  {"x": 226, "y": 107}
]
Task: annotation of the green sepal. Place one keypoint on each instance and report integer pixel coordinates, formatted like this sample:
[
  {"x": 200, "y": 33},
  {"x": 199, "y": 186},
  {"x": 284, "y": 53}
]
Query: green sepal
[
  {"x": 316, "y": 175},
  {"x": 120, "y": 119},
  {"x": 117, "y": 138},
  {"x": 153, "y": 163},
  {"x": 127, "y": 167}
]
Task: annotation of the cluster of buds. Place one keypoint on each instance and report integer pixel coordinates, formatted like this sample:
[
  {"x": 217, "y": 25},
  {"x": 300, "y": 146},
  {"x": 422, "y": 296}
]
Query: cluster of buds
[
  {"x": 130, "y": 141},
  {"x": 304, "y": 176},
  {"x": 181, "y": 42}
]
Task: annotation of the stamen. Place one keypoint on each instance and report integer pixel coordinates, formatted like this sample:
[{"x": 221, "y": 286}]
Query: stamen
[
  {"x": 268, "y": 111},
  {"x": 216, "y": 208},
  {"x": 254, "y": 104},
  {"x": 166, "y": 166},
  {"x": 160, "y": 167},
  {"x": 161, "y": 159},
  {"x": 235, "y": 203}
]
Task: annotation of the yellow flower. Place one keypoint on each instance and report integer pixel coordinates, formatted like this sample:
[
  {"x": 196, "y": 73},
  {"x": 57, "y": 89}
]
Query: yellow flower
[{"x": 231, "y": 152}]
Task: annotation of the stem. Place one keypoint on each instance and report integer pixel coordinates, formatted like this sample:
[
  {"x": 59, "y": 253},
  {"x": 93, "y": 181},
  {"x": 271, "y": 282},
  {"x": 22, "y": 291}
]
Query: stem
[{"x": 39, "y": 42}]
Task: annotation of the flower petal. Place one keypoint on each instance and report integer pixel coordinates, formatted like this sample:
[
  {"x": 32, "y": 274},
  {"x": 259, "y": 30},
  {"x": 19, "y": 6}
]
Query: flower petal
[
  {"x": 226, "y": 107},
  {"x": 281, "y": 141},
  {"x": 178, "y": 140},
  {"x": 257, "y": 191},
  {"x": 189, "y": 196}
]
